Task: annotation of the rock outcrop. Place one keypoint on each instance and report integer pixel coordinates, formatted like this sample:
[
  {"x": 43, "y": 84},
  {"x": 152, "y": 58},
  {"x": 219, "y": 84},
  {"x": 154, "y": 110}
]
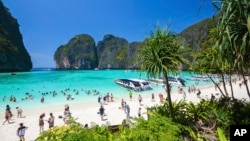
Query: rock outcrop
[
  {"x": 78, "y": 53},
  {"x": 196, "y": 35},
  {"x": 13, "y": 55},
  {"x": 81, "y": 53},
  {"x": 112, "y": 52},
  {"x": 117, "y": 53}
]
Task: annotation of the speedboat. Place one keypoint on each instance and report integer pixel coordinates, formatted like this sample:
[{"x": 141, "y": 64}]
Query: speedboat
[
  {"x": 172, "y": 80},
  {"x": 198, "y": 78},
  {"x": 177, "y": 81},
  {"x": 134, "y": 84}
]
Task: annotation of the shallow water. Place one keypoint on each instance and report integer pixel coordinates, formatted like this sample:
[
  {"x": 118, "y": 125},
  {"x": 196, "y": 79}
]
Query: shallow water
[{"x": 46, "y": 82}]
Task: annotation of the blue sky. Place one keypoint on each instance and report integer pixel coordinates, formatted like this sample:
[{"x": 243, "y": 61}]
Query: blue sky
[{"x": 47, "y": 24}]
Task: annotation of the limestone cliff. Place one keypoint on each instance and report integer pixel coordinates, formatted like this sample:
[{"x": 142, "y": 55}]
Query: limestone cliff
[
  {"x": 13, "y": 55},
  {"x": 117, "y": 53},
  {"x": 112, "y": 52},
  {"x": 196, "y": 35},
  {"x": 78, "y": 53}
]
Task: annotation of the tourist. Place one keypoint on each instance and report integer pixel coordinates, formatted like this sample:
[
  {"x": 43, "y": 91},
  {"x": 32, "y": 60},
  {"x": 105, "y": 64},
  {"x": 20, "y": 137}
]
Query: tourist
[
  {"x": 184, "y": 96},
  {"x": 66, "y": 114},
  {"x": 41, "y": 123},
  {"x": 10, "y": 113},
  {"x": 212, "y": 97},
  {"x": 122, "y": 104},
  {"x": 111, "y": 97},
  {"x": 161, "y": 98},
  {"x": 100, "y": 99},
  {"x": 7, "y": 116},
  {"x": 139, "y": 112},
  {"x": 101, "y": 112},
  {"x": 107, "y": 97},
  {"x": 42, "y": 99},
  {"x": 125, "y": 107},
  {"x": 128, "y": 111},
  {"x": 130, "y": 94},
  {"x": 86, "y": 126},
  {"x": 21, "y": 131},
  {"x": 198, "y": 93},
  {"x": 153, "y": 97},
  {"x": 104, "y": 99},
  {"x": 140, "y": 100},
  {"x": 19, "y": 112},
  {"x": 51, "y": 120}
]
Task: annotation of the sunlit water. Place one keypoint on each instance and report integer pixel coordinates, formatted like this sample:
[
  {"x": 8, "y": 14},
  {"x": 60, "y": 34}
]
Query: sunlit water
[{"x": 46, "y": 82}]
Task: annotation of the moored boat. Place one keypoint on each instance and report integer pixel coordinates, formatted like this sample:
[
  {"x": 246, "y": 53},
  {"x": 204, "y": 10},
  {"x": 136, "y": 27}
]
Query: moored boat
[
  {"x": 198, "y": 78},
  {"x": 172, "y": 80},
  {"x": 134, "y": 84}
]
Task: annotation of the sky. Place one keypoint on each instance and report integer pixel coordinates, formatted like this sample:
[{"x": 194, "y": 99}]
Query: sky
[{"x": 47, "y": 24}]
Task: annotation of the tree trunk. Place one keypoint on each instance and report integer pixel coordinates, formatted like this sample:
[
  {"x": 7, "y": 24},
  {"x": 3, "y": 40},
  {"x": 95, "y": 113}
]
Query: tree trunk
[
  {"x": 169, "y": 96},
  {"x": 216, "y": 84},
  {"x": 224, "y": 84},
  {"x": 245, "y": 82},
  {"x": 231, "y": 85}
]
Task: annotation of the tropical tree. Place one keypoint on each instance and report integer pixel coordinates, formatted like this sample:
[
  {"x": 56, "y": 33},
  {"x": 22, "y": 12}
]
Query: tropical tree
[
  {"x": 162, "y": 54},
  {"x": 234, "y": 35}
]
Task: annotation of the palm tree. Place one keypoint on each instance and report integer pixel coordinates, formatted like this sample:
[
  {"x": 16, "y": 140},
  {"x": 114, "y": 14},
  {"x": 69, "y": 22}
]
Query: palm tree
[{"x": 162, "y": 54}]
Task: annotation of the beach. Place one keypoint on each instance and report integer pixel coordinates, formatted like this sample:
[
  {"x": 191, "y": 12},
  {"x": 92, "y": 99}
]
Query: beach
[{"x": 87, "y": 113}]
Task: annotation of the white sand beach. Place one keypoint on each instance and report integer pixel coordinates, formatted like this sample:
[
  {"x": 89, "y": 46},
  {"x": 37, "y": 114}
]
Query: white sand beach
[{"x": 87, "y": 113}]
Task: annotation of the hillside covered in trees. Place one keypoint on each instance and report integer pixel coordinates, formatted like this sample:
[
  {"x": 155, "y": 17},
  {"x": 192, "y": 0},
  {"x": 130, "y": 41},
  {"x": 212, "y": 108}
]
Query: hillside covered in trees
[
  {"x": 117, "y": 53},
  {"x": 13, "y": 55}
]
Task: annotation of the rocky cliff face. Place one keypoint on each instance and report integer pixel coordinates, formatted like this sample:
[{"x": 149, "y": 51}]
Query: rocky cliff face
[
  {"x": 195, "y": 36},
  {"x": 78, "y": 53},
  {"x": 117, "y": 53},
  {"x": 81, "y": 53},
  {"x": 13, "y": 55},
  {"x": 112, "y": 52}
]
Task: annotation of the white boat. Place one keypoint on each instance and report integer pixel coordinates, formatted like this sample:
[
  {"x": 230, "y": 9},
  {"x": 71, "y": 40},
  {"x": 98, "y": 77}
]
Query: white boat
[
  {"x": 198, "y": 78},
  {"x": 134, "y": 84},
  {"x": 172, "y": 80}
]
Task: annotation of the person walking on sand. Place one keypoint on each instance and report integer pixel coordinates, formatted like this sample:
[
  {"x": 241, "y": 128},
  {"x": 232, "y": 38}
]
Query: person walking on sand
[
  {"x": 51, "y": 120},
  {"x": 122, "y": 104},
  {"x": 139, "y": 112},
  {"x": 111, "y": 97},
  {"x": 101, "y": 111},
  {"x": 140, "y": 100},
  {"x": 161, "y": 98},
  {"x": 66, "y": 114},
  {"x": 184, "y": 96},
  {"x": 130, "y": 94},
  {"x": 153, "y": 97},
  {"x": 41, "y": 123},
  {"x": 7, "y": 116},
  {"x": 10, "y": 113},
  {"x": 128, "y": 111},
  {"x": 21, "y": 132},
  {"x": 19, "y": 112}
]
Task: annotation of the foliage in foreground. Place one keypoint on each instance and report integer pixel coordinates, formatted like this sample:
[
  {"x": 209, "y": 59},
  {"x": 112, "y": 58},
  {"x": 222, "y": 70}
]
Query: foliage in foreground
[
  {"x": 207, "y": 120},
  {"x": 157, "y": 128}
]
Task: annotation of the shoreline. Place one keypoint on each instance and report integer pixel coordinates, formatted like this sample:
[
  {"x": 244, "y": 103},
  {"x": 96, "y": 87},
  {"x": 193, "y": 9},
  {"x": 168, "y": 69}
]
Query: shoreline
[{"x": 86, "y": 113}]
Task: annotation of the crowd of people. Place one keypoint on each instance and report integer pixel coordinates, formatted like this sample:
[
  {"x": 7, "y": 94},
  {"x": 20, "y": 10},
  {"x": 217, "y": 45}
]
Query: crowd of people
[{"x": 103, "y": 100}]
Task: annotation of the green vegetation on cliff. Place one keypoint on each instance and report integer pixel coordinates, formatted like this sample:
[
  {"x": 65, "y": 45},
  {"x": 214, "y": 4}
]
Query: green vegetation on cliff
[
  {"x": 78, "y": 53},
  {"x": 13, "y": 55}
]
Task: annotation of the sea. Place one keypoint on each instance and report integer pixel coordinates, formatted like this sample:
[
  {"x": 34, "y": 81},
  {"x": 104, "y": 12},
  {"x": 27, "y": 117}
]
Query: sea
[{"x": 55, "y": 85}]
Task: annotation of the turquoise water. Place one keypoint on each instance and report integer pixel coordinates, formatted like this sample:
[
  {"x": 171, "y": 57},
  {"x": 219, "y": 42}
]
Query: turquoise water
[{"x": 47, "y": 82}]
